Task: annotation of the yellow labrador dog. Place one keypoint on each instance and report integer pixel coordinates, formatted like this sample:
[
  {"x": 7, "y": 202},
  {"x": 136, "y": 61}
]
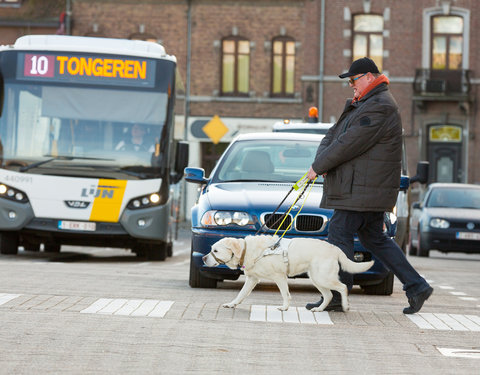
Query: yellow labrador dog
[{"x": 259, "y": 258}]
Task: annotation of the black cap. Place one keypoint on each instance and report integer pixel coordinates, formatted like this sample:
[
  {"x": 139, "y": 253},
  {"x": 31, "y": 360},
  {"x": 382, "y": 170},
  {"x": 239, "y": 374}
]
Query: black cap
[{"x": 363, "y": 65}]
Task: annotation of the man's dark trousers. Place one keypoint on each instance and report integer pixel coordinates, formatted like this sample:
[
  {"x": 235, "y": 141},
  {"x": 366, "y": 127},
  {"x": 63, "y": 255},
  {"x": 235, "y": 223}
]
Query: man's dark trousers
[{"x": 369, "y": 228}]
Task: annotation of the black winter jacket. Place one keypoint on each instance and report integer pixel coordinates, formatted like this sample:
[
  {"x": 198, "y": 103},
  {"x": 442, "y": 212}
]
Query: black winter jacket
[{"x": 361, "y": 155}]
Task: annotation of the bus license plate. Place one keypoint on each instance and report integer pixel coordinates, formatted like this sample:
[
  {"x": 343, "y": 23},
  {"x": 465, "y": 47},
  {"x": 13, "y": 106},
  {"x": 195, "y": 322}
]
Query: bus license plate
[
  {"x": 468, "y": 236},
  {"x": 77, "y": 225}
]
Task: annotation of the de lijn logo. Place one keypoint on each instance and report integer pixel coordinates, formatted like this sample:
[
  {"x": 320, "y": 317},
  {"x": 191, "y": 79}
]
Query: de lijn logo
[{"x": 100, "y": 191}]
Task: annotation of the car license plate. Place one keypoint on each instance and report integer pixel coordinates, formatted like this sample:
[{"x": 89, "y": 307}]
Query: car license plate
[
  {"x": 468, "y": 236},
  {"x": 77, "y": 225}
]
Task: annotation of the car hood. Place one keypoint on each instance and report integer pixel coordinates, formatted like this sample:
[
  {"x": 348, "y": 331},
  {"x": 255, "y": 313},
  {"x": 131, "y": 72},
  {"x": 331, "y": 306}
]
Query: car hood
[
  {"x": 454, "y": 213},
  {"x": 260, "y": 196}
]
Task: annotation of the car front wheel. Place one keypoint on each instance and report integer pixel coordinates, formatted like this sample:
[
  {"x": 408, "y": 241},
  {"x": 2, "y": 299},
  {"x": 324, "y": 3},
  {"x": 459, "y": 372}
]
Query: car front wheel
[
  {"x": 423, "y": 248},
  {"x": 197, "y": 280},
  {"x": 412, "y": 250},
  {"x": 384, "y": 288}
]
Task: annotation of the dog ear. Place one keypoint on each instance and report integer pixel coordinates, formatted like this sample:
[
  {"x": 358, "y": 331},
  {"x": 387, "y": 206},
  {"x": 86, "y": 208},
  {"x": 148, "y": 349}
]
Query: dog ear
[{"x": 237, "y": 247}]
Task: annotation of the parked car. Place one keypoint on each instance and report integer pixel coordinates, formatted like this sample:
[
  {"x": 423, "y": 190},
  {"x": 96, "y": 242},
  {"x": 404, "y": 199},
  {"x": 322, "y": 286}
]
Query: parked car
[
  {"x": 448, "y": 219},
  {"x": 248, "y": 183}
]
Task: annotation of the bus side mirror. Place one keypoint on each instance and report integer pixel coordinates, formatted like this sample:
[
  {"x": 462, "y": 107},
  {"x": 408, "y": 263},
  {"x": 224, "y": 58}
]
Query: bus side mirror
[
  {"x": 181, "y": 161},
  {"x": 422, "y": 173}
]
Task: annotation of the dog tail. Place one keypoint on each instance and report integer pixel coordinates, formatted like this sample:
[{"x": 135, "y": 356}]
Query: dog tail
[{"x": 353, "y": 267}]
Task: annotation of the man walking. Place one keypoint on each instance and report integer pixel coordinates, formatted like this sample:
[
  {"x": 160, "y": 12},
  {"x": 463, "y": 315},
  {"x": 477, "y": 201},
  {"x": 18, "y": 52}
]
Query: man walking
[{"x": 360, "y": 158}]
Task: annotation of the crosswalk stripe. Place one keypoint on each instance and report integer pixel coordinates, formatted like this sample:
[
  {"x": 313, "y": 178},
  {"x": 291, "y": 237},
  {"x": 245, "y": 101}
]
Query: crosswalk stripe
[
  {"x": 419, "y": 321},
  {"x": 257, "y": 313},
  {"x": 452, "y": 323},
  {"x": 129, "y": 307},
  {"x": 5, "y": 297},
  {"x": 434, "y": 321},
  {"x": 298, "y": 315},
  {"x": 161, "y": 309},
  {"x": 96, "y": 306},
  {"x": 125, "y": 307},
  {"x": 145, "y": 308},
  {"x": 455, "y": 322},
  {"x": 113, "y": 306},
  {"x": 467, "y": 322}
]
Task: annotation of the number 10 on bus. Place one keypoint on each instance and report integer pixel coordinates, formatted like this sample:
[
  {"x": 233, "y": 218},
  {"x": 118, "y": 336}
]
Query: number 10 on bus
[{"x": 39, "y": 65}]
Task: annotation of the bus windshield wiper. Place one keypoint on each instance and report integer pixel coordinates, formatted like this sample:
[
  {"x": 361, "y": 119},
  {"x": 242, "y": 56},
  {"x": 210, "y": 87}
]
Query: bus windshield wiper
[{"x": 41, "y": 162}]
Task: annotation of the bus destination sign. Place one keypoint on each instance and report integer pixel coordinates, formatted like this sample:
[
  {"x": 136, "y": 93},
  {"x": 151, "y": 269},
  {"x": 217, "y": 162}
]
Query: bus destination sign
[{"x": 106, "y": 70}]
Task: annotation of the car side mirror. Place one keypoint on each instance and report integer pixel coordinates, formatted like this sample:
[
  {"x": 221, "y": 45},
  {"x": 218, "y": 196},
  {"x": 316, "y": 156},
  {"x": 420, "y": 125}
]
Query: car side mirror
[
  {"x": 417, "y": 205},
  {"x": 181, "y": 161},
  {"x": 422, "y": 173},
  {"x": 195, "y": 175}
]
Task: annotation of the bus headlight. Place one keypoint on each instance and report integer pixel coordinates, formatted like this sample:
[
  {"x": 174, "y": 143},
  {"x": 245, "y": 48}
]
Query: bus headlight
[
  {"x": 12, "y": 194},
  {"x": 145, "y": 201}
]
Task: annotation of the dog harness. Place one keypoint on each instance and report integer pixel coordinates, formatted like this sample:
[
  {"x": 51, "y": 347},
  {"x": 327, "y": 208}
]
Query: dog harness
[{"x": 279, "y": 248}]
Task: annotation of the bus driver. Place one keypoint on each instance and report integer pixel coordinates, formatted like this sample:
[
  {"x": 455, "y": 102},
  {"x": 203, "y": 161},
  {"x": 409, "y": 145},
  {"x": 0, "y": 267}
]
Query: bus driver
[{"x": 137, "y": 140}]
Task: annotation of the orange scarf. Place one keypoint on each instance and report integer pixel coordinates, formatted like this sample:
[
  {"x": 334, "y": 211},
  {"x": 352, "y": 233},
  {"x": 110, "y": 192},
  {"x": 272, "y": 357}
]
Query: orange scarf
[{"x": 380, "y": 79}]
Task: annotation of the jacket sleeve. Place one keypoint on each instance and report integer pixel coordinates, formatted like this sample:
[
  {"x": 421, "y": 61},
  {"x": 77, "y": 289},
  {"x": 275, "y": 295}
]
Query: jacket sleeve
[
  {"x": 326, "y": 140},
  {"x": 363, "y": 132}
]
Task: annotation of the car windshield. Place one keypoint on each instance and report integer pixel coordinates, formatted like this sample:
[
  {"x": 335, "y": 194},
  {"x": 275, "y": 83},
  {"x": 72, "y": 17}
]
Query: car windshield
[
  {"x": 455, "y": 198},
  {"x": 282, "y": 160}
]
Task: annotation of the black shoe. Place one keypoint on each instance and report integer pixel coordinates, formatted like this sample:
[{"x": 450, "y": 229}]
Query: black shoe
[
  {"x": 334, "y": 305},
  {"x": 416, "y": 302}
]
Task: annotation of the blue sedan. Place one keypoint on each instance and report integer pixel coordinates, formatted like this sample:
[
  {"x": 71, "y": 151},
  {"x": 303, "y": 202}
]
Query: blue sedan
[{"x": 251, "y": 178}]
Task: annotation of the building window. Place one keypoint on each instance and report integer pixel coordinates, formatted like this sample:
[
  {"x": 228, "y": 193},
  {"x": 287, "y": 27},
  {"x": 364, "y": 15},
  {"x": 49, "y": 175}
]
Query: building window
[
  {"x": 368, "y": 38},
  {"x": 235, "y": 66},
  {"x": 447, "y": 42},
  {"x": 283, "y": 66}
]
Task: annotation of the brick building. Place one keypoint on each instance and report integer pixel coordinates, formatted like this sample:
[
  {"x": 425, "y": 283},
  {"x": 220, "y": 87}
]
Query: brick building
[{"x": 254, "y": 62}]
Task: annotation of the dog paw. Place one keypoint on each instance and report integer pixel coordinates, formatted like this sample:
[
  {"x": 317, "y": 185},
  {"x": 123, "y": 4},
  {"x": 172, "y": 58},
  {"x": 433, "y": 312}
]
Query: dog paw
[
  {"x": 283, "y": 308},
  {"x": 316, "y": 309},
  {"x": 229, "y": 305}
]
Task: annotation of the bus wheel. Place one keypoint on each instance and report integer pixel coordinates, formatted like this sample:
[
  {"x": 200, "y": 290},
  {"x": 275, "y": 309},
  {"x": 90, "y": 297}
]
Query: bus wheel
[
  {"x": 8, "y": 243},
  {"x": 31, "y": 247},
  {"x": 169, "y": 249},
  {"x": 51, "y": 247},
  {"x": 157, "y": 251},
  {"x": 140, "y": 250}
]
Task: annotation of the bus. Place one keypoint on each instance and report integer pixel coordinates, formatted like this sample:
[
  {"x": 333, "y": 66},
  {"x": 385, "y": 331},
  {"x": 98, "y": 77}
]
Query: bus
[{"x": 69, "y": 107}]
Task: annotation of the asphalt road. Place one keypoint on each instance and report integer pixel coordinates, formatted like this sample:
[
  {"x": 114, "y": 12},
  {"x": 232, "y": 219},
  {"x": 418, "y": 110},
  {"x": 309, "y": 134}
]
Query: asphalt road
[{"x": 103, "y": 311}]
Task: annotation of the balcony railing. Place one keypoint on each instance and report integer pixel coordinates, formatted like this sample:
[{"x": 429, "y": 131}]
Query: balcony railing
[{"x": 442, "y": 83}]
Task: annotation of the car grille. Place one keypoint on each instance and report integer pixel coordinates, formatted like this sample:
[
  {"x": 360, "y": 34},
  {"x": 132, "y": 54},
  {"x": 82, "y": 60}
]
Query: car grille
[
  {"x": 309, "y": 223},
  {"x": 463, "y": 224},
  {"x": 273, "y": 221},
  {"x": 304, "y": 223}
]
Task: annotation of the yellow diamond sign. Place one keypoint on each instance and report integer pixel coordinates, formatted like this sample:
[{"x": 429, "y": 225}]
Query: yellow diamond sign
[{"x": 215, "y": 129}]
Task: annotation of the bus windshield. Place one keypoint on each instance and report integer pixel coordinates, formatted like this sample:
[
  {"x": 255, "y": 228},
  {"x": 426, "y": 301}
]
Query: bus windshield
[{"x": 80, "y": 127}]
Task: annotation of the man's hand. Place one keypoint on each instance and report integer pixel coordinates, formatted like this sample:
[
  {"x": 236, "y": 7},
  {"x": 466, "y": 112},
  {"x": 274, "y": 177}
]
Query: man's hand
[{"x": 311, "y": 175}]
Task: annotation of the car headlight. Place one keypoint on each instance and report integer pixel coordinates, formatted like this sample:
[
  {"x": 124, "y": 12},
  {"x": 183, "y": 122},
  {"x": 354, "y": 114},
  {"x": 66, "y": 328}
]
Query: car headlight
[
  {"x": 226, "y": 218},
  {"x": 439, "y": 223}
]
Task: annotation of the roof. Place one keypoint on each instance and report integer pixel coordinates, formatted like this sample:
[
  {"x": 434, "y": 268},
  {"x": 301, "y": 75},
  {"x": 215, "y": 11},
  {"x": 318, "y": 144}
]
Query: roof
[
  {"x": 66, "y": 43},
  {"x": 453, "y": 185},
  {"x": 279, "y": 136},
  {"x": 304, "y": 127}
]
